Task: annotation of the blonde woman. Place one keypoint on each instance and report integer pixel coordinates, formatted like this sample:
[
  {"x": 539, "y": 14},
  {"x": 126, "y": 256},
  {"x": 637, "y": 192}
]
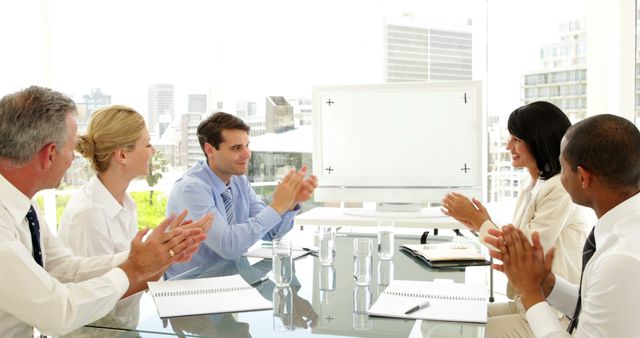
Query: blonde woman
[{"x": 101, "y": 218}]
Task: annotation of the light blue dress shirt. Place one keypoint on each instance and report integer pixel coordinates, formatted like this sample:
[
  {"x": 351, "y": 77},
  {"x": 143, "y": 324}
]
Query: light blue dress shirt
[{"x": 200, "y": 191}]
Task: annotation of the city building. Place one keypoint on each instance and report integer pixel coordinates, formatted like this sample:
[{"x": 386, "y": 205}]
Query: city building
[
  {"x": 189, "y": 148},
  {"x": 95, "y": 100},
  {"x": 197, "y": 103},
  {"x": 562, "y": 79},
  {"x": 279, "y": 115},
  {"x": 257, "y": 125},
  {"x": 302, "y": 110},
  {"x": 246, "y": 109},
  {"x": 418, "y": 51},
  {"x": 161, "y": 108}
]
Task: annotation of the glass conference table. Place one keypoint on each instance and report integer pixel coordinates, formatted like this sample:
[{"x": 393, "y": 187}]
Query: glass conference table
[{"x": 326, "y": 301}]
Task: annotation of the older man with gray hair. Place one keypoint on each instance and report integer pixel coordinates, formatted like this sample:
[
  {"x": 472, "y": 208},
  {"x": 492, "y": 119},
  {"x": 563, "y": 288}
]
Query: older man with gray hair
[{"x": 43, "y": 284}]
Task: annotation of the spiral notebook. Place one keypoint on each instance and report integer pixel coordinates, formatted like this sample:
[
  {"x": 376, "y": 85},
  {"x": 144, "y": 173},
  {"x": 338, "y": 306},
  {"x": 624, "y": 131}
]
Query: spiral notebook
[
  {"x": 448, "y": 301},
  {"x": 189, "y": 297}
]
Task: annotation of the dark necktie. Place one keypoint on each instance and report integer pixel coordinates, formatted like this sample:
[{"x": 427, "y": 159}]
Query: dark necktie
[
  {"x": 228, "y": 206},
  {"x": 34, "y": 228},
  {"x": 588, "y": 251}
]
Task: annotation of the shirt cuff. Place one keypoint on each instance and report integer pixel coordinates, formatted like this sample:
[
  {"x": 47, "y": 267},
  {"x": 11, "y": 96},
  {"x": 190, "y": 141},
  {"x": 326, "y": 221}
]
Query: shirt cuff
[
  {"x": 295, "y": 210},
  {"x": 270, "y": 216},
  {"x": 119, "y": 279},
  {"x": 484, "y": 232},
  {"x": 564, "y": 296},
  {"x": 120, "y": 257},
  {"x": 543, "y": 320}
]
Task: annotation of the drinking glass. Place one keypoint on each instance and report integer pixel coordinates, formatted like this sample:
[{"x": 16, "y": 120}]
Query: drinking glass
[
  {"x": 385, "y": 240},
  {"x": 362, "y": 260},
  {"x": 282, "y": 262}
]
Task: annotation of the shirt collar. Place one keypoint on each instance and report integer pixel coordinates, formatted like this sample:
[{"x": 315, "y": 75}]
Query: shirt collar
[
  {"x": 218, "y": 186},
  {"x": 605, "y": 224},
  {"x": 103, "y": 197},
  {"x": 14, "y": 200}
]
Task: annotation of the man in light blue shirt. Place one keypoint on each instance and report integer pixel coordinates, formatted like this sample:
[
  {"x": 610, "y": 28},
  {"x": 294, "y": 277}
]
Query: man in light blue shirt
[{"x": 219, "y": 185}]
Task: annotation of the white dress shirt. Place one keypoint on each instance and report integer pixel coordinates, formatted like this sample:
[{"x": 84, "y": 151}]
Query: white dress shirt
[
  {"x": 94, "y": 223},
  {"x": 609, "y": 283},
  {"x": 68, "y": 293},
  {"x": 546, "y": 207}
]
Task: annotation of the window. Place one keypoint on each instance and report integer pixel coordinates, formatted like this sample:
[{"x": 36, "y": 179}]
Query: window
[{"x": 216, "y": 59}]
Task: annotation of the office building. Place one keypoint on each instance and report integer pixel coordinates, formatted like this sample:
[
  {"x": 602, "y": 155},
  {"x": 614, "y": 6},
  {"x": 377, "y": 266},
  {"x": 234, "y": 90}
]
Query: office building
[
  {"x": 197, "y": 103},
  {"x": 95, "y": 100},
  {"x": 279, "y": 116},
  {"x": 246, "y": 109},
  {"x": 562, "y": 79},
  {"x": 161, "y": 108},
  {"x": 302, "y": 110},
  {"x": 190, "y": 150},
  {"x": 418, "y": 51}
]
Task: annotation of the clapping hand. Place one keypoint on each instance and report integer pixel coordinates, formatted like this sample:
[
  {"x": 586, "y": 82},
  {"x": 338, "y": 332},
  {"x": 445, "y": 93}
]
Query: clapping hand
[
  {"x": 524, "y": 263},
  {"x": 306, "y": 189},
  {"x": 469, "y": 212}
]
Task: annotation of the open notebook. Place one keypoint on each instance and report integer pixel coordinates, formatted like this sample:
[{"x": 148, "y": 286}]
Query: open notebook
[
  {"x": 448, "y": 254},
  {"x": 447, "y": 301},
  {"x": 188, "y": 297}
]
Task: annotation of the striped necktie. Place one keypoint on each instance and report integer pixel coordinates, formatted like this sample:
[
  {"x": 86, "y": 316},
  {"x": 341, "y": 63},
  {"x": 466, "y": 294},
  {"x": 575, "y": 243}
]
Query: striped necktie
[
  {"x": 227, "y": 198},
  {"x": 34, "y": 228},
  {"x": 588, "y": 251}
]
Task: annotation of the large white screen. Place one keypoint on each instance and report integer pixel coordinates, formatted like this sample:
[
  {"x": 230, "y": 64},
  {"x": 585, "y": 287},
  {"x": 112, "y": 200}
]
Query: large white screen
[{"x": 399, "y": 135}]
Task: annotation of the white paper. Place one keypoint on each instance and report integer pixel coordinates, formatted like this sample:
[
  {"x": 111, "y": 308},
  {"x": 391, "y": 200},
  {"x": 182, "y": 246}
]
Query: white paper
[
  {"x": 206, "y": 296},
  {"x": 447, "y": 301}
]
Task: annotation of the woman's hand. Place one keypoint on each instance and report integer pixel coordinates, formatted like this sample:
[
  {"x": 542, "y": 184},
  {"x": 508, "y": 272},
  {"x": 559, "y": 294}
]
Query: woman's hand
[{"x": 471, "y": 213}]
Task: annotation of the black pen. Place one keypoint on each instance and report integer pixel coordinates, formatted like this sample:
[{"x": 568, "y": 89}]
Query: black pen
[
  {"x": 264, "y": 278},
  {"x": 417, "y": 307},
  {"x": 311, "y": 251}
]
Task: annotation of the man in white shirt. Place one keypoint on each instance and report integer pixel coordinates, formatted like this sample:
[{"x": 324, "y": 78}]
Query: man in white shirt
[
  {"x": 43, "y": 285},
  {"x": 600, "y": 158}
]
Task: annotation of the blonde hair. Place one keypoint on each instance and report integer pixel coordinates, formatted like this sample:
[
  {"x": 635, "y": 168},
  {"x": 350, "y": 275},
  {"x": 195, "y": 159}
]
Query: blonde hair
[{"x": 110, "y": 128}]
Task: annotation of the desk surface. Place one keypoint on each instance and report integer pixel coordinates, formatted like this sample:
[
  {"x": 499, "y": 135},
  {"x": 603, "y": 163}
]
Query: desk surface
[
  {"x": 324, "y": 300},
  {"x": 426, "y": 218}
]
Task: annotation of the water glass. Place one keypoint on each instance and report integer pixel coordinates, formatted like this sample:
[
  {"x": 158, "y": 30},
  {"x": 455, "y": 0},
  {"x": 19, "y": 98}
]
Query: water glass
[
  {"x": 282, "y": 262},
  {"x": 362, "y": 261},
  {"x": 385, "y": 274},
  {"x": 327, "y": 245},
  {"x": 327, "y": 284},
  {"x": 385, "y": 240},
  {"x": 282, "y": 309},
  {"x": 361, "y": 304}
]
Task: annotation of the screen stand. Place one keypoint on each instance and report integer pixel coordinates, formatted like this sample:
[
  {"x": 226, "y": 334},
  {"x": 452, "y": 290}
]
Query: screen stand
[
  {"x": 398, "y": 207},
  {"x": 395, "y": 210}
]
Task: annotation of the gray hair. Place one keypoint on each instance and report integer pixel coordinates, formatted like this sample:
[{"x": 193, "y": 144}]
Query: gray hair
[{"x": 30, "y": 119}]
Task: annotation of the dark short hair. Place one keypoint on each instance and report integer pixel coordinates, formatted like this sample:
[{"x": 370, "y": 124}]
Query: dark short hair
[
  {"x": 608, "y": 146},
  {"x": 541, "y": 126},
  {"x": 30, "y": 119},
  {"x": 210, "y": 130}
]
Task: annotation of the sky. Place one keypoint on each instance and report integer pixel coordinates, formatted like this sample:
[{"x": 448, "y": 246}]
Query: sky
[{"x": 246, "y": 50}]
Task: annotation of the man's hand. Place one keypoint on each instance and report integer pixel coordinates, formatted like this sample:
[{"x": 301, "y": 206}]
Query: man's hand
[
  {"x": 526, "y": 266},
  {"x": 306, "y": 189},
  {"x": 285, "y": 194},
  {"x": 471, "y": 213}
]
